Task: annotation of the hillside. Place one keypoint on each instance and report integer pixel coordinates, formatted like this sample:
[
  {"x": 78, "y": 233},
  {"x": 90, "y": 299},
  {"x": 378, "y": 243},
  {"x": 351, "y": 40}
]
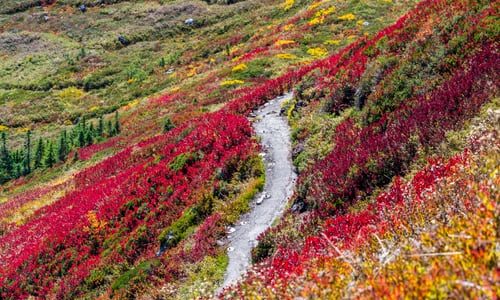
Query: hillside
[{"x": 137, "y": 135}]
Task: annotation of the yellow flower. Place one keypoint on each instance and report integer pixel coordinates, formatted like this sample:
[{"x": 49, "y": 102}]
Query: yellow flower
[
  {"x": 232, "y": 82},
  {"x": 288, "y": 27},
  {"x": 286, "y": 56},
  {"x": 131, "y": 80},
  {"x": 347, "y": 17},
  {"x": 3, "y": 128},
  {"x": 317, "y": 52},
  {"x": 288, "y": 4},
  {"x": 240, "y": 67},
  {"x": 284, "y": 42},
  {"x": 94, "y": 108}
]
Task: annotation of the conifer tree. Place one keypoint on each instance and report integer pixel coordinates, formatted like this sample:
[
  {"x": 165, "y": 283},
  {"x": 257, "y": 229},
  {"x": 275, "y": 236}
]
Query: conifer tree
[
  {"x": 168, "y": 125},
  {"x": 27, "y": 159},
  {"x": 5, "y": 159},
  {"x": 100, "y": 127},
  {"x": 81, "y": 138},
  {"x": 117, "y": 128},
  {"x": 62, "y": 150},
  {"x": 39, "y": 153},
  {"x": 50, "y": 158},
  {"x": 110, "y": 128}
]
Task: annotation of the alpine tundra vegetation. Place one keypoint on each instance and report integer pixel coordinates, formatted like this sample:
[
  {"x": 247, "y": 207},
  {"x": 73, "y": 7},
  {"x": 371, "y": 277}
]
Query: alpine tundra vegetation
[{"x": 249, "y": 149}]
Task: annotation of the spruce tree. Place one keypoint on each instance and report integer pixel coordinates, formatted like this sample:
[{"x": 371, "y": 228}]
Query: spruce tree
[
  {"x": 168, "y": 125},
  {"x": 50, "y": 159},
  {"x": 62, "y": 150},
  {"x": 5, "y": 159},
  {"x": 27, "y": 159},
  {"x": 81, "y": 138},
  {"x": 39, "y": 153},
  {"x": 100, "y": 127},
  {"x": 110, "y": 128},
  {"x": 117, "y": 128}
]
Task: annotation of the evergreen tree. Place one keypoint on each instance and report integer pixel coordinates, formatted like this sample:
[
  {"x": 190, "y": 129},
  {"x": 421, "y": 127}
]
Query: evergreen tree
[
  {"x": 50, "y": 159},
  {"x": 89, "y": 139},
  {"x": 100, "y": 127},
  {"x": 39, "y": 153},
  {"x": 162, "y": 62},
  {"x": 6, "y": 166},
  {"x": 62, "y": 150},
  {"x": 110, "y": 128},
  {"x": 81, "y": 138},
  {"x": 117, "y": 128},
  {"x": 27, "y": 159},
  {"x": 76, "y": 156},
  {"x": 168, "y": 125}
]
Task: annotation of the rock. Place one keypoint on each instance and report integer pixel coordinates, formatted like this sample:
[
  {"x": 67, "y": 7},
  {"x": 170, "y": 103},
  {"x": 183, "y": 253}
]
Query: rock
[
  {"x": 231, "y": 230},
  {"x": 230, "y": 249},
  {"x": 83, "y": 8},
  {"x": 123, "y": 40},
  {"x": 189, "y": 22},
  {"x": 260, "y": 200}
]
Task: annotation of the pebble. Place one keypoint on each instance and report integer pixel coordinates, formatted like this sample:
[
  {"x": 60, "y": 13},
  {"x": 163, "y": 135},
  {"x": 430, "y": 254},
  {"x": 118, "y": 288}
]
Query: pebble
[{"x": 230, "y": 249}]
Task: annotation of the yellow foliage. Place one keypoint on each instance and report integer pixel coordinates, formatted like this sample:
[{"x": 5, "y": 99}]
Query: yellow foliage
[
  {"x": 347, "y": 17},
  {"x": 233, "y": 50},
  {"x": 191, "y": 72},
  {"x": 315, "y": 21},
  {"x": 317, "y": 52},
  {"x": 93, "y": 108},
  {"x": 26, "y": 210},
  {"x": 174, "y": 89},
  {"x": 131, "y": 80},
  {"x": 314, "y": 5},
  {"x": 320, "y": 15},
  {"x": 94, "y": 223},
  {"x": 325, "y": 12},
  {"x": 23, "y": 129},
  {"x": 240, "y": 67},
  {"x": 288, "y": 4},
  {"x": 332, "y": 42},
  {"x": 132, "y": 104},
  {"x": 3, "y": 128},
  {"x": 284, "y": 42},
  {"x": 288, "y": 27},
  {"x": 70, "y": 93},
  {"x": 232, "y": 82},
  {"x": 286, "y": 56}
]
